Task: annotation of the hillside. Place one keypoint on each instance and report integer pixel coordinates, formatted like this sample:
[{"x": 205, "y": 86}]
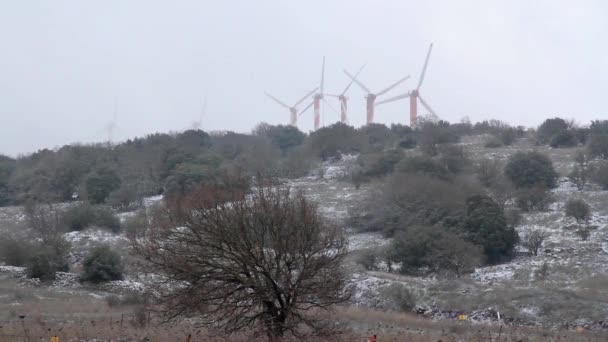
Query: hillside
[{"x": 561, "y": 289}]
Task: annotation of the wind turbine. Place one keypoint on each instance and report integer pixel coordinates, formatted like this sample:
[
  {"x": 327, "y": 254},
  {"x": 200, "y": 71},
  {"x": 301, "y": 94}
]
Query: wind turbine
[
  {"x": 318, "y": 97},
  {"x": 371, "y": 97},
  {"x": 414, "y": 95},
  {"x": 293, "y": 110},
  {"x": 344, "y": 99},
  {"x": 196, "y": 125}
]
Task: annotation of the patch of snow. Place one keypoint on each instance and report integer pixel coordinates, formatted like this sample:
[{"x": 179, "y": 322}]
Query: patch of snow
[
  {"x": 124, "y": 285},
  {"x": 93, "y": 236},
  {"x": 13, "y": 270},
  {"x": 366, "y": 240}
]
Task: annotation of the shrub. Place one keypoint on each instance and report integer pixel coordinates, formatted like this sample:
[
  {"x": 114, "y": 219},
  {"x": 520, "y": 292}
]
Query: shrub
[
  {"x": 542, "y": 271},
  {"x": 367, "y": 258},
  {"x": 600, "y": 175},
  {"x": 513, "y": 217},
  {"x": 422, "y": 165},
  {"x": 283, "y": 137},
  {"x": 406, "y": 200},
  {"x": 100, "y": 184},
  {"x": 422, "y": 249},
  {"x": 47, "y": 260},
  {"x": 15, "y": 252},
  {"x": 380, "y": 163},
  {"x": 101, "y": 265},
  {"x": 85, "y": 215},
  {"x": 550, "y": 128},
  {"x": 532, "y": 199},
  {"x": 533, "y": 241},
  {"x": 105, "y": 218},
  {"x": 136, "y": 225},
  {"x": 485, "y": 225},
  {"x": 578, "y": 209},
  {"x": 404, "y": 298},
  {"x": 508, "y": 135},
  {"x": 598, "y": 139},
  {"x": 529, "y": 169},
  {"x": 378, "y": 135},
  {"x": 407, "y": 142},
  {"x": 126, "y": 198},
  {"x": 330, "y": 141},
  {"x": 432, "y": 134},
  {"x": 493, "y": 142},
  {"x": 454, "y": 158},
  {"x": 564, "y": 139},
  {"x": 488, "y": 171}
]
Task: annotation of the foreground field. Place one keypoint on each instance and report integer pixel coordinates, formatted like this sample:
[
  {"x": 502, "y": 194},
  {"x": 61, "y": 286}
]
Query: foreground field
[{"x": 116, "y": 325}]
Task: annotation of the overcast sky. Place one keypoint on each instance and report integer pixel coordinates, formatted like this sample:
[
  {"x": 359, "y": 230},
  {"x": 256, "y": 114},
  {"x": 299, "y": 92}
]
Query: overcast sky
[{"x": 66, "y": 65}]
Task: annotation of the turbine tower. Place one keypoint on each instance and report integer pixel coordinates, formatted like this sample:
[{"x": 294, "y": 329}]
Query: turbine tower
[
  {"x": 318, "y": 97},
  {"x": 293, "y": 110},
  {"x": 414, "y": 95},
  {"x": 197, "y": 125},
  {"x": 371, "y": 97},
  {"x": 344, "y": 99}
]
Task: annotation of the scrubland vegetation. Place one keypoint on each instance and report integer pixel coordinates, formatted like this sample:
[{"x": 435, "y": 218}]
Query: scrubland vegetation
[{"x": 238, "y": 252}]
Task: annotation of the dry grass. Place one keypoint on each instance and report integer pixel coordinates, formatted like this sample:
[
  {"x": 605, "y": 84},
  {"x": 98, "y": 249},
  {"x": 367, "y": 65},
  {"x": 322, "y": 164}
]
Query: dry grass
[{"x": 388, "y": 326}]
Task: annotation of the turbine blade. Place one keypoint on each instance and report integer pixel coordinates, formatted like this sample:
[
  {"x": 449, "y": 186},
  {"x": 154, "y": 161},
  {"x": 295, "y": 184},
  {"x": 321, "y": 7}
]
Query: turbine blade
[
  {"x": 305, "y": 97},
  {"x": 426, "y": 63},
  {"x": 322, "y": 76},
  {"x": 395, "y": 98},
  {"x": 357, "y": 81},
  {"x": 330, "y": 106},
  {"x": 392, "y": 86},
  {"x": 354, "y": 78},
  {"x": 426, "y": 105},
  {"x": 305, "y": 109},
  {"x": 277, "y": 101}
]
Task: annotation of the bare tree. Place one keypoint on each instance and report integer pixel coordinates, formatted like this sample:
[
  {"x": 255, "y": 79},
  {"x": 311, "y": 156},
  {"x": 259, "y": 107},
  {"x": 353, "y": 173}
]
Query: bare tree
[
  {"x": 533, "y": 241},
  {"x": 265, "y": 260}
]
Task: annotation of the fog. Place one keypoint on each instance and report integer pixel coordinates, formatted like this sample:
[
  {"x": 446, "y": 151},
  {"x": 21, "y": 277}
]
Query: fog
[{"x": 67, "y": 67}]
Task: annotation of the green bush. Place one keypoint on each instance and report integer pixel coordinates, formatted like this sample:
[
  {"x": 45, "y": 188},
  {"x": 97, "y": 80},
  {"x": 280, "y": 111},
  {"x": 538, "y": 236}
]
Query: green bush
[
  {"x": 454, "y": 158},
  {"x": 84, "y": 215},
  {"x": 403, "y": 297},
  {"x": 578, "y": 209},
  {"x": 550, "y": 128},
  {"x": 425, "y": 249},
  {"x": 493, "y": 142},
  {"x": 48, "y": 259},
  {"x": 489, "y": 171},
  {"x": 529, "y": 169},
  {"x": 485, "y": 225},
  {"x": 422, "y": 165},
  {"x": 367, "y": 258},
  {"x": 101, "y": 265},
  {"x": 407, "y": 142},
  {"x": 600, "y": 175},
  {"x": 100, "y": 184},
  {"x": 532, "y": 199},
  {"x": 15, "y": 252},
  {"x": 508, "y": 135},
  {"x": 380, "y": 163},
  {"x": 598, "y": 139},
  {"x": 564, "y": 139}
]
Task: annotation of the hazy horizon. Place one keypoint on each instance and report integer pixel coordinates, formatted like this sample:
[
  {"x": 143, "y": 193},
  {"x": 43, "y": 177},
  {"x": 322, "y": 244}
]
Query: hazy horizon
[{"x": 68, "y": 66}]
